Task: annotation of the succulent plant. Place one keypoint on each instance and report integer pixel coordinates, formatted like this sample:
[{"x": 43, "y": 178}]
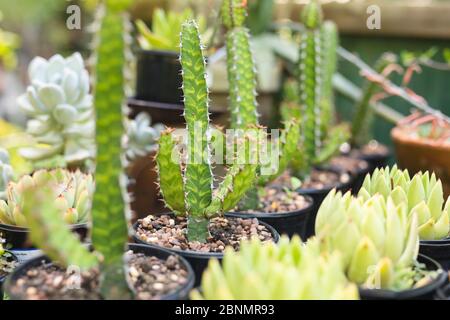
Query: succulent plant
[
  {"x": 6, "y": 172},
  {"x": 7, "y": 262},
  {"x": 378, "y": 243},
  {"x": 166, "y": 29},
  {"x": 422, "y": 195},
  {"x": 240, "y": 65},
  {"x": 70, "y": 191},
  {"x": 141, "y": 136},
  {"x": 60, "y": 107},
  {"x": 288, "y": 271},
  {"x": 186, "y": 184},
  {"x": 316, "y": 65},
  {"x": 362, "y": 119},
  {"x": 110, "y": 201}
]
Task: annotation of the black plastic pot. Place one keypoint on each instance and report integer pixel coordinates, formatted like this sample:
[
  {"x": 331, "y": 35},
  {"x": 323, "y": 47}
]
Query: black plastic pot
[
  {"x": 289, "y": 223},
  {"x": 2, "y": 278},
  {"x": 180, "y": 294},
  {"x": 443, "y": 293},
  {"x": 198, "y": 260},
  {"x": 18, "y": 239},
  {"x": 426, "y": 292},
  {"x": 375, "y": 160},
  {"x": 438, "y": 250},
  {"x": 318, "y": 195},
  {"x": 159, "y": 77}
]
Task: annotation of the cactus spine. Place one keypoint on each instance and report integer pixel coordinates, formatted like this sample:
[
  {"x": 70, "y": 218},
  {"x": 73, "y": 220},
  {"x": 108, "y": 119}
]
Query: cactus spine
[
  {"x": 187, "y": 189},
  {"x": 240, "y": 66},
  {"x": 110, "y": 231},
  {"x": 361, "y": 123},
  {"x": 198, "y": 174},
  {"x": 311, "y": 80}
]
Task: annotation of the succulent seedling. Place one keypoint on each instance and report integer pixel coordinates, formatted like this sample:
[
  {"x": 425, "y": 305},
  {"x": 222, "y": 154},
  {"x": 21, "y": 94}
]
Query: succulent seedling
[
  {"x": 269, "y": 272},
  {"x": 378, "y": 243},
  {"x": 422, "y": 195}
]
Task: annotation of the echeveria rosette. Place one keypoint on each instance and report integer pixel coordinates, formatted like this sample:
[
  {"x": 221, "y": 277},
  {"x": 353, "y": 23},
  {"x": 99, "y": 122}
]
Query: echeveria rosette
[
  {"x": 60, "y": 108},
  {"x": 6, "y": 172},
  {"x": 378, "y": 243},
  {"x": 71, "y": 192},
  {"x": 422, "y": 194},
  {"x": 288, "y": 270},
  {"x": 141, "y": 136}
]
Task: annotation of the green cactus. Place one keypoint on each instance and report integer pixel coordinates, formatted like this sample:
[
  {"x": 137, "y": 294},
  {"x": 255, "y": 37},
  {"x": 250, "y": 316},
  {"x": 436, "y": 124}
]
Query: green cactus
[
  {"x": 330, "y": 43},
  {"x": 187, "y": 189},
  {"x": 363, "y": 114},
  {"x": 71, "y": 192},
  {"x": 378, "y": 244},
  {"x": 316, "y": 65},
  {"x": 240, "y": 66},
  {"x": 422, "y": 195},
  {"x": 109, "y": 231},
  {"x": 288, "y": 271}
]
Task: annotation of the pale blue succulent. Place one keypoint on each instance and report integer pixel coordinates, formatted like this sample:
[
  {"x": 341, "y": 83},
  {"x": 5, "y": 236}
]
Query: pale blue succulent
[
  {"x": 141, "y": 136},
  {"x": 60, "y": 108},
  {"x": 6, "y": 172}
]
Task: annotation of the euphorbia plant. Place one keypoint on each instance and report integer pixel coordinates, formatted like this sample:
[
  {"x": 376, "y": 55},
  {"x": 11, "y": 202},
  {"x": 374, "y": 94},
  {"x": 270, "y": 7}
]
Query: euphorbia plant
[
  {"x": 243, "y": 104},
  {"x": 109, "y": 231},
  {"x": 378, "y": 243},
  {"x": 186, "y": 184},
  {"x": 422, "y": 195},
  {"x": 316, "y": 65},
  {"x": 288, "y": 270},
  {"x": 363, "y": 114}
]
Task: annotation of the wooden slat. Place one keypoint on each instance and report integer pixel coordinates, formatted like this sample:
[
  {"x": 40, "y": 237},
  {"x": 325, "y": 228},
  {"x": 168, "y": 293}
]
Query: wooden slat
[{"x": 409, "y": 18}]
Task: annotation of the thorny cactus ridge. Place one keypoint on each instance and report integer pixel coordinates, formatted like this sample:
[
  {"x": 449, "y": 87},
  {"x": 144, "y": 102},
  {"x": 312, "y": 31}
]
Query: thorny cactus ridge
[{"x": 188, "y": 189}]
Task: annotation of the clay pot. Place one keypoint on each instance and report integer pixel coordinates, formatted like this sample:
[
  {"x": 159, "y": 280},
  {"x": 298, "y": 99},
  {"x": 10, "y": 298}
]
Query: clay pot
[
  {"x": 143, "y": 187},
  {"x": 423, "y": 154}
]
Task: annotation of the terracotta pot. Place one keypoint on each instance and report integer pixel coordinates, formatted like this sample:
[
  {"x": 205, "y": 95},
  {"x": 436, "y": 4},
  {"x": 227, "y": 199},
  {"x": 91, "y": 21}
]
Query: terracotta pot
[
  {"x": 143, "y": 187},
  {"x": 423, "y": 154}
]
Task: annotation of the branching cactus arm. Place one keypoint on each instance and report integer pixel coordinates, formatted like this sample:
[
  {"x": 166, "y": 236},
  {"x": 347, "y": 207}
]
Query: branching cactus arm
[
  {"x": 110, "y": 231},
  {"x": 240, "y": 65},
  {"x": 288, "y": 147},
  {"x": 311, "y": 82},
  {"x": 363, "y": 113},
  {"x": 198, "y": 177},
  {"x": 49, "y": 231},
  {"x": 170, "y": 174}
]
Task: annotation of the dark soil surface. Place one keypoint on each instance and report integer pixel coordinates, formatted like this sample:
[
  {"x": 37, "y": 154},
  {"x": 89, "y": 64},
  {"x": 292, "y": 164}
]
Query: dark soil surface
[
  {"x": 318, "y": 179},
  {"x": 276, "y": 200},
  {"x": 150, "y": 277},
  {"x": 348, "y": 164},
  {"x": 170, "y": 232}
]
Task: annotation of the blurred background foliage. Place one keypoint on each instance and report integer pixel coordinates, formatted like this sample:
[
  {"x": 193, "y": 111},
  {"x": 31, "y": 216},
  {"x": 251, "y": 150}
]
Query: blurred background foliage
[{"x": 41, "y": 30}]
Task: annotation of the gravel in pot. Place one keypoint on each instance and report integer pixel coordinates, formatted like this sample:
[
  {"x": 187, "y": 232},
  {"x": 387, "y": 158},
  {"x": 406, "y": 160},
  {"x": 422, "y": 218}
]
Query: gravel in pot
[{"x": 152, "y": 274}]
